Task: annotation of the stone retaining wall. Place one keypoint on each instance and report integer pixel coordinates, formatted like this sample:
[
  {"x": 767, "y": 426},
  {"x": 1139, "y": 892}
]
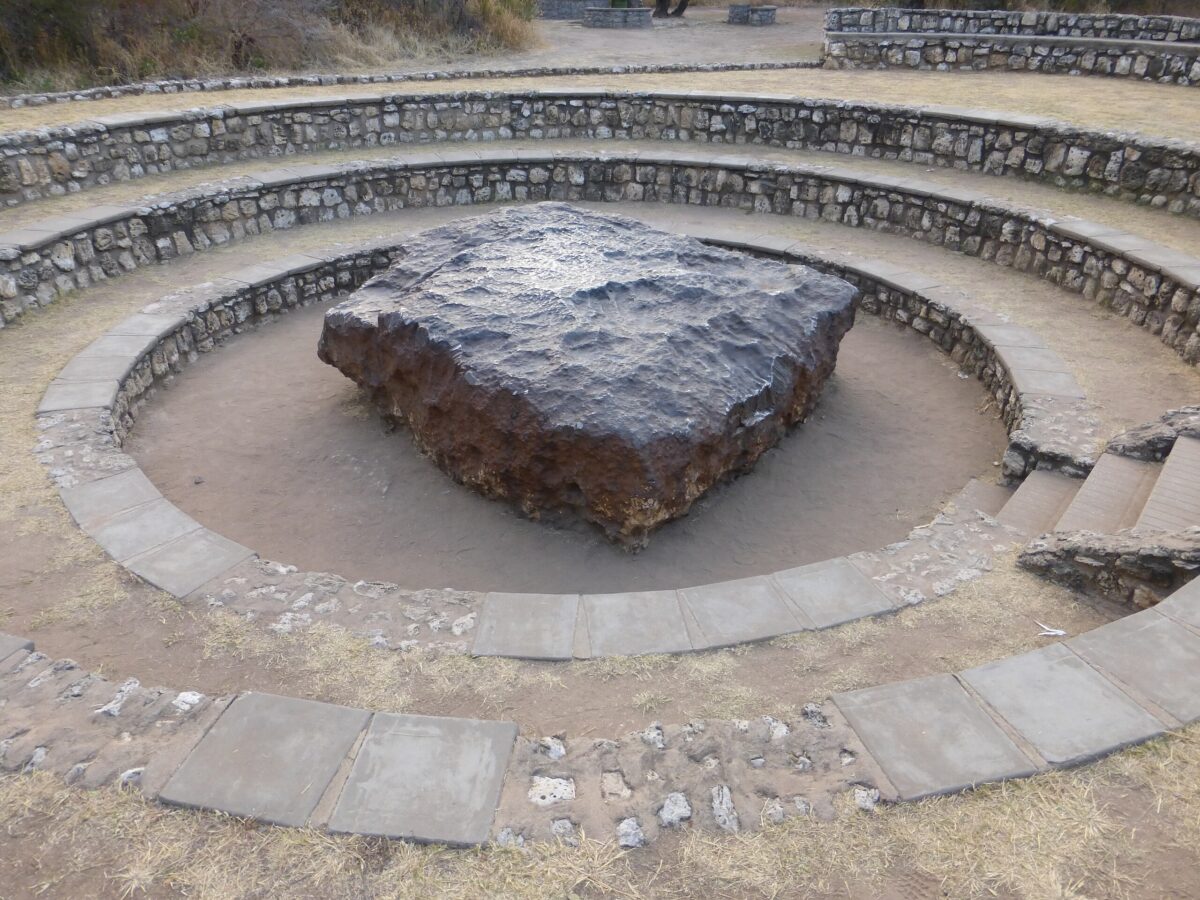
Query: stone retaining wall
[
  {"x": 1161, "y": 62},
  {"x": 996, "y": 21},
  {"x": 1134, "y": 568},
  {"x": 1157, "y": 289},
  {"x": 1164, "y": 173}
]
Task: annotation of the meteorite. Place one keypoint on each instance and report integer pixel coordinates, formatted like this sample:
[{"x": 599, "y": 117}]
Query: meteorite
[{"x": 568, "y": 360}]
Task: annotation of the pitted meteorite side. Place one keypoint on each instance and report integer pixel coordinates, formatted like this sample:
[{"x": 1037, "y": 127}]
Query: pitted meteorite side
[{"x": 565, "y": 359}]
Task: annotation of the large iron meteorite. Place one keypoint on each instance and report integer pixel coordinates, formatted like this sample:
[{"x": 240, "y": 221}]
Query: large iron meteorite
[{"x": 565, "y": 359}]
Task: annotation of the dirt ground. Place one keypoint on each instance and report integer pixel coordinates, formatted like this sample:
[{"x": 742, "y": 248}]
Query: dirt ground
[{"x": 896, "y": 434}]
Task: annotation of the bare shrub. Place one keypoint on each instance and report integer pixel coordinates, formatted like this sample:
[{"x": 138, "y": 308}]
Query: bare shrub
[{"x": 70, "y": 43}]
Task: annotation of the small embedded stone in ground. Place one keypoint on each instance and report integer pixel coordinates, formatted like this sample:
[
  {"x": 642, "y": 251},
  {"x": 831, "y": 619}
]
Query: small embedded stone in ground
[{"x": 573, "y": 361}]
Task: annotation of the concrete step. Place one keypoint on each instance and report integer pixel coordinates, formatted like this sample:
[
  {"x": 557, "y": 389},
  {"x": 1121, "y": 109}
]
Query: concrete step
[
  {"x": 983, "y": 496},
  {"x": 1039, "y": 502},
  {"x": 1174, "y": 504},
  {"x": 1112, "y": 496}
]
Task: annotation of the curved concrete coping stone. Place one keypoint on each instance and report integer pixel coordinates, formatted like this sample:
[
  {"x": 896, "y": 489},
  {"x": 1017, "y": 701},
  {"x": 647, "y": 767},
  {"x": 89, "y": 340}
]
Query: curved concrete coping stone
[
  {"x": 86, "y": 413},
  {"x": 62, "y": 159},
  {"x": 1155, "y": 287},
  {"x": 197, "y": 85},
  {"x": 1163, "y": 62},
  {"x": 294, "y": 762}
]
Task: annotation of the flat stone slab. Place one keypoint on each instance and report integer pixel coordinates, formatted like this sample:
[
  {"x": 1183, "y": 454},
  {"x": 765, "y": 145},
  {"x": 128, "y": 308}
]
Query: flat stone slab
[
  {"x": 140, "y": 528},
  {"x": 98, "y": 500},
  {"x": 1112, "y": 495},
  {"x": 527, "y": 626},
  {"x": 1174, "y": 504},
  {"x": 830, "y": 593},
  {"x": 184, "y": 564},
  {"x": 1153, "y": 655},
  {"x": 10, "y": 644},
  {"x": 930, "y": 736},
  {"x": 1039, "y": 502},
  {"x": 635, "y": 623},
  {"x": 426, "y": 779},
  {"x": 66, "y": 395},
  {"x": 1067, "y": 710},
  {"x": 571, "y": 361},
  {"x": 1184, "y": 604},
  {"x": 267, "y": 757},
  {"x": 734, "y": 612}
]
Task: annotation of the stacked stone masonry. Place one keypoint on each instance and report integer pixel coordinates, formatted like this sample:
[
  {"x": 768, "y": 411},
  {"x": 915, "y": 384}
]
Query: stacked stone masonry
[
  {"x": 1019, "y": 22},
  {"x": 1161, "y": 62},
  {"x": 606, "y": 17},
  {"x": 564, "y": 9},
  {"x": 1156, "y": 288},
  {"x": 1160, "y": 172},
  {"x": 747, "y": 14}
]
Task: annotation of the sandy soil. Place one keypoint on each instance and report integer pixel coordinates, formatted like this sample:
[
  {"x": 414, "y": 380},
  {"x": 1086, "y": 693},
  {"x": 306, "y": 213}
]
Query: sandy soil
[{"x": 268, "y": 445}]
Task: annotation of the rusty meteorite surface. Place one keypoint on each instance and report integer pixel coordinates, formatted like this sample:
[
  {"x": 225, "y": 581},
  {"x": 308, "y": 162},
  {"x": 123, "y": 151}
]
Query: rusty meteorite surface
[{"x": 565, "y": 359}]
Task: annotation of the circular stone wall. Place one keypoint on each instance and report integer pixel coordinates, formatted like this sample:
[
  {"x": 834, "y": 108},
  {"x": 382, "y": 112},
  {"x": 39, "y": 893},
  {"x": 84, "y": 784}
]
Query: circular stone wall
[{"x": 267, "y": 445}]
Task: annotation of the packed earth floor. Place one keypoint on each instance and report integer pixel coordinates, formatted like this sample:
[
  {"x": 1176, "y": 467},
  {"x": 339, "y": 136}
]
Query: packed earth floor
[{"x": 264, "y": 444}]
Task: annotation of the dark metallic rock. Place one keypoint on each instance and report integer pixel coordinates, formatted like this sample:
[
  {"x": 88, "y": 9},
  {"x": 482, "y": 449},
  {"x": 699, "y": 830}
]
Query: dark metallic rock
[{"x": 571, "y": 360}]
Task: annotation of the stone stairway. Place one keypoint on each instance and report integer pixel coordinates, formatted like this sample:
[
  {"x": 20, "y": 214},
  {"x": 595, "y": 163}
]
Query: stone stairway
[
  {"x": 1111, "y": 497},
  {"x": 1174, "y": 504},
  {"x": 1039, "y": 502},
  {"x": 1119, "y": 493}
]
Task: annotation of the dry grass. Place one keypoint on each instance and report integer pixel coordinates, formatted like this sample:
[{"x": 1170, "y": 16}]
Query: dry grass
[
  {"x": 55, "y": 45},
  {"x": 330, "y": 662}
]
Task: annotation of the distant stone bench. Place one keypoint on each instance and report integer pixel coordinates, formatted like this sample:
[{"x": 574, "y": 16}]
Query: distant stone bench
[
  {"x": 746, "y": 14},
  {"x": 605, "y": 17},
  {"x": 563, "y": 9}
]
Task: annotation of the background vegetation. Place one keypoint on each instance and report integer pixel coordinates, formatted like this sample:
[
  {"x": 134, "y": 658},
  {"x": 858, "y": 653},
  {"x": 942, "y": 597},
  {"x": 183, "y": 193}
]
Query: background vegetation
[{"x": 63, "y": 44}]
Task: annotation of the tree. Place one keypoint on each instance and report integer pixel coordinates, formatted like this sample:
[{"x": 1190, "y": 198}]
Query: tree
[{"x": 662, "y": 8}]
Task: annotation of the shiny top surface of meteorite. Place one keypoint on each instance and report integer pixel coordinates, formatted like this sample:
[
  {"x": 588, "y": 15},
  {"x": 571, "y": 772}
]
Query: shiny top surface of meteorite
[{"x": 602, "y": 323}]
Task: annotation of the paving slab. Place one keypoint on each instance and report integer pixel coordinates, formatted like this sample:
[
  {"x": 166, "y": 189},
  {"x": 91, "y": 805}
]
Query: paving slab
[
  {"x": 1052, "y": 384},
  {"x": 930, "y": 736},
  {"x": 829, "y": 593},
  {"x": 1010, "y": 336},
  {"x": 1184, "y": 604},
  {"x": 1039, "y": 501},
  {"x": 184, "y": 564},
  {"x": 1174, "y": 504},
  {"x": 144, "y": 527},
  {"x": 64, "y": 395},
  {"x": 1111, "y": 497},
  {"x": 95, "y": 501},
  {"x": 1067, "y": 710},
  {"x": 267, "y": 757},
  {"x": 96, "y": 368},
  {"x": 426, "y": 779},
  {"x": 635, "y": 623},
  {"x": 734, "y": 612},
  {"x": 10, "y": 644},
  {"x": 527, "y": 626},
  {"x": 1152, "y": 654}
]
